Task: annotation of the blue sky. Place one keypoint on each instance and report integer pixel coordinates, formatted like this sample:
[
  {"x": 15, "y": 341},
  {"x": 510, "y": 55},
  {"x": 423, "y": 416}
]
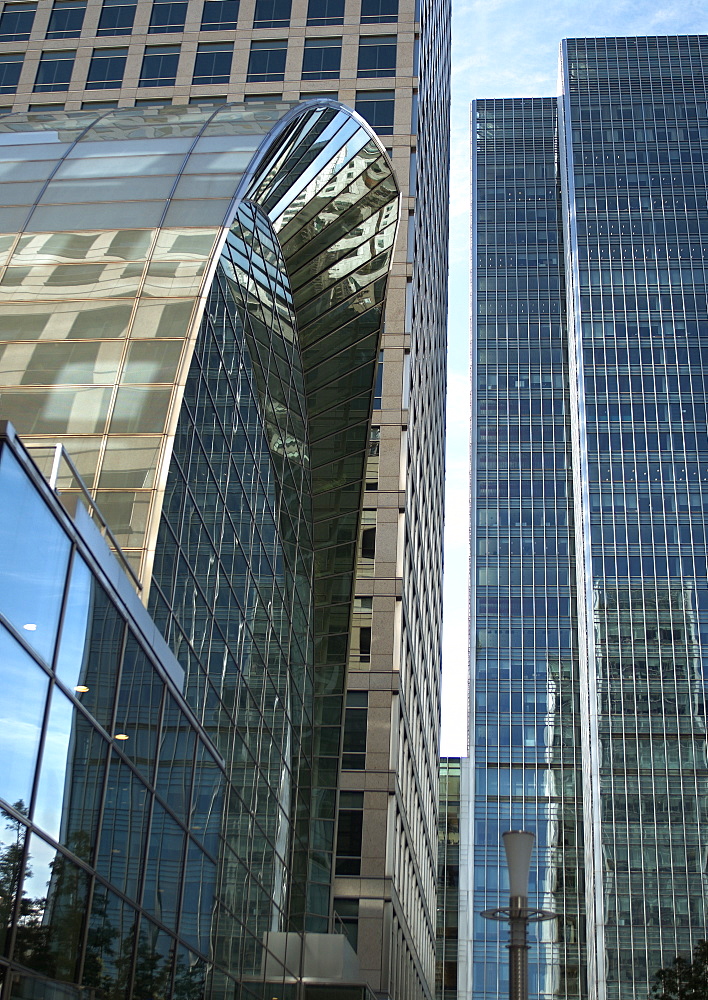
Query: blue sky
[{"x": 505, "y": 48}]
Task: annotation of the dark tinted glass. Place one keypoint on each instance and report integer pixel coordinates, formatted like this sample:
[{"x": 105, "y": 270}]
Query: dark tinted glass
[
  {"x": 213, "y": 63},
  {"x": 67, "y": 19},
  {"x": 377, "y": 107},
  {"x": 167, "y": 17},
  {"x": 379, "y": 11},
  {"x": 377, "y": 56},
  {"x": 10, "y": 67},
  {"x": 159, "y": 66},
  {"x": 106, "y": 69},
  {"x": 218, "y": 14},
  {"x": 272, "y": 14},
  {"x": 116, "y": 18},
  {"x": 321, "y": 59},
  {"x": 54, "y": 72},
  {"x": 325, "y": 12},
  {"x": 16, "y": 22},
  {"x": 267, "y": 61}
]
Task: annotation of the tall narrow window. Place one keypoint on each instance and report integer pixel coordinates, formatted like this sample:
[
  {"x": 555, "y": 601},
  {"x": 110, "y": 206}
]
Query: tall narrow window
[
  {"x": 16, "y": 22},
  {"x": 378, "y": 107},
  {"x": 116, "y": 18},
  {"x": 272, "y": 14},
  {"x": 10, "y": 69},
  {"x": 106, "y": 69},
  {"x": 377, "y": 56},
  {"x": 355, "y": 725},
  {"x": 325, "y": 12},
  {"x": 349, "y": 830},
  {"x": 213, "y": 62},
  {"x": 267, "y": 61},
  {"x": 167, "y": 17},
  {"x": 378, "y": 385},
  {"x": 321, "y": 58},
  {"x": 159, "y": 67},
  {"x": 54, "y": 71},
  {"x": 219, "y": 15},
  {"x": 67, "y": 19},
  {"x": 379, "y": 11}
]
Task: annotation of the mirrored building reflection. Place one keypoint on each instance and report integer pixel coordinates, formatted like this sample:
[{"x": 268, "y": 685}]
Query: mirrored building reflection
[
  {"x": 589, "y": 429},
  {"x": 241, "y": 330}
]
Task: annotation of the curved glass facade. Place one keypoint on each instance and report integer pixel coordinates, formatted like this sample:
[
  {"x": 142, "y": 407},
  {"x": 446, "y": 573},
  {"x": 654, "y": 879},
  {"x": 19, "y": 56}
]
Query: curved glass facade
[{"x": 243, "y": 343}]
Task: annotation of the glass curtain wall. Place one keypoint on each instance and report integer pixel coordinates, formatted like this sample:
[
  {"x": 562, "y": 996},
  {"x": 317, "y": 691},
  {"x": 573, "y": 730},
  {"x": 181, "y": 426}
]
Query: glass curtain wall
[
  {"x": 111, "y": 794},
  {"x": 636, "y": 120},
  {"x": 525, "y": 725}
]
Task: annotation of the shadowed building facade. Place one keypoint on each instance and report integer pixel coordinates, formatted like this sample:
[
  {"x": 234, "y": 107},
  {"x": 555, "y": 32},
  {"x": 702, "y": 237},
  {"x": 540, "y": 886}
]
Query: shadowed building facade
[{"x": 589, "y": 456}]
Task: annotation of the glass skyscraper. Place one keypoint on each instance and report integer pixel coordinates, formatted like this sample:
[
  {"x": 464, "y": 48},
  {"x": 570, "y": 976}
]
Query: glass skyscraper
[{"x": 589, "y": 588}]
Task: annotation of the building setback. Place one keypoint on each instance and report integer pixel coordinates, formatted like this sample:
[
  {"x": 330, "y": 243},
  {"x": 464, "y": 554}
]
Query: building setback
[
  {"x": 390, "y": 61},
  {"x": 590, "y": 462}
]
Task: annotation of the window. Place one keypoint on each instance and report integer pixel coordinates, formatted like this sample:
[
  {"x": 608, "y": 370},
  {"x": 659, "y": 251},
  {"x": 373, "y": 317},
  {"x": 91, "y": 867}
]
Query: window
[
  {"x": 325, "y": 12},
  {"x": 98, "y": 105},
  {"x": 267, "y": 61},
  {"x": 16, "y": 22},
  {"x": 54, "y": 71},
  {"x": 355, "y": 722},
  {"x": 321, "y": 58},
  {"x": 153, "y": 102},
  {"x": 218, "y": 15},
  {"x": 319, "y": 95},
  {"x": 346, "y": 913},
  {"x": 261, "y": 98},
  {"x": 368, "y": 543},
  {"x": 378, "y": 385},
  {"x": 10, "y": 67},
  {"x": 377, "y": 55},
  {"x": 116, "y": 18},
  {"x": 207, "y": 100},
  {"x": 159, "y": 66},
  {"x": 67, "y": 19},
  {"x": 106, "y": 69},
  {"x": 379, "y": 11},
  {"x": 167, "y": 17},
  {"x": 272, "y": 14},
  {"x": 213, "y": 62},
  {"x": 349, "y": 831},
  {"x": 377, "y": 107}
]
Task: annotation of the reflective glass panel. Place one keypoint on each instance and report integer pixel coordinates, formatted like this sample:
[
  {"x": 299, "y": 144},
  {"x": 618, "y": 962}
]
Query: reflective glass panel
[
  {"x": 219, "y": 14},
  {"x": 55, "y": 890},
  {"x": 34, "y": 564},
  {"x": 16, "y": 21},
  {"x": 66, "y": 19},
  {"x": 23, "y": 694}
]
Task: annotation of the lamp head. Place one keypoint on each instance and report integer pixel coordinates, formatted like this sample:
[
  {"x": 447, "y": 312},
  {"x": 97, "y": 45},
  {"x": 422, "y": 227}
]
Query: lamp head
[{"x": 518, "y": 845}]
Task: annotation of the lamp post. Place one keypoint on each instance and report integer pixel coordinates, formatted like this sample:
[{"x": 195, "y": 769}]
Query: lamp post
[{"x": 518, "y": 845}]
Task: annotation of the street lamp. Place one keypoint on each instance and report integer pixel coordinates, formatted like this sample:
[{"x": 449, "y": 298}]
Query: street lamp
[{"x": 518, "y": 845}]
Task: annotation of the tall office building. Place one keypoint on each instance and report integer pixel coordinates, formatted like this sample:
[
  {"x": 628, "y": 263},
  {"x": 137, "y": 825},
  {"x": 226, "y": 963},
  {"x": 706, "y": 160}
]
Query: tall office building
[
  {"x": 589, "y": 597},
  {"x": 73, "y": 61}
]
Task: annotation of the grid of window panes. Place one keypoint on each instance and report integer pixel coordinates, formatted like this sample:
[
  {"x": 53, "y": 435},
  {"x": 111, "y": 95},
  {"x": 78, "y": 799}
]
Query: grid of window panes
[
  {"x": 638, "y": 118},
  {"x": 109, "y": 792},
  {"x": 239, "y": 460},
  {"x": 448, "y": 880},
  {"x": 422, "y": 399},
  {"x": 525, "y": 670}
]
